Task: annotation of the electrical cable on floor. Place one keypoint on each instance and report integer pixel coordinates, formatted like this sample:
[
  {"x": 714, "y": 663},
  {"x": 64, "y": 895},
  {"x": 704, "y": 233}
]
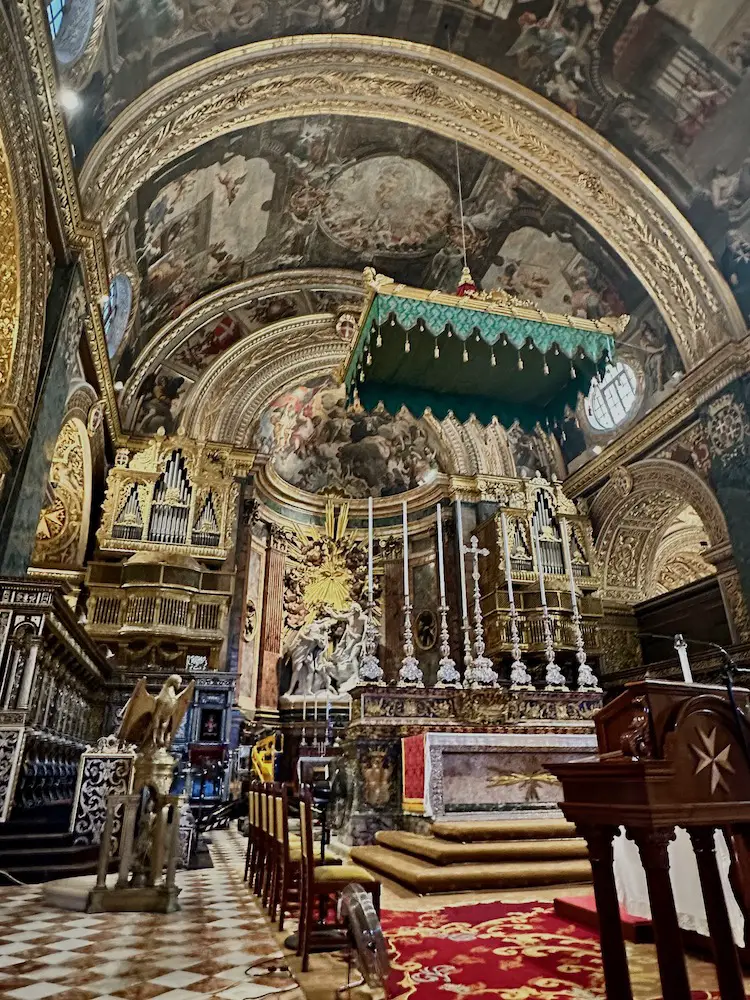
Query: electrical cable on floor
[
  {"x": 14, "y": 879},
  {"x": 268, "y": 967}
]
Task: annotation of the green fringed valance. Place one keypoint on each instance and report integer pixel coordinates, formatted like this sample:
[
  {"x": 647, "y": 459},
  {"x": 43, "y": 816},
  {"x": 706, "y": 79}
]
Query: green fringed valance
[{"x": 469, "y": 355}]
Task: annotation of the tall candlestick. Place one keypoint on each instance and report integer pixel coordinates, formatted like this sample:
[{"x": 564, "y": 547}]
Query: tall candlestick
[
  {"x": 461, "y": 560},
  {"x": 554, "y": 676},
  {"x": 540, "y": 567},
  {"x": 404, "y": 520},
  {"x": 519, "y": 675},
  {"x": 569, "y": 564},
  {"x": 370, "y": 671},
  {"x": 441, "y": 564},
  {"x": 369, "y": 548},
  {"x": 410, "y": 674},
  {"x": 447, "y": 675},
  {"x": 587, "y": 680}
]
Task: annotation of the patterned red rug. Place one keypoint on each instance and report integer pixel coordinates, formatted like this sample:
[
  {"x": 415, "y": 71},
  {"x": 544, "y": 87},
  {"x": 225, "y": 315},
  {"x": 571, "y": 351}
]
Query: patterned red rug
[{"x": 499, "y": 951}]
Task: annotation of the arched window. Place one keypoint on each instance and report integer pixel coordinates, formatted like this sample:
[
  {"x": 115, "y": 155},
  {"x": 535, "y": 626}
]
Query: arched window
[
  {"x": 611, "y": 401},
  {"x": 55, "y": 11}
]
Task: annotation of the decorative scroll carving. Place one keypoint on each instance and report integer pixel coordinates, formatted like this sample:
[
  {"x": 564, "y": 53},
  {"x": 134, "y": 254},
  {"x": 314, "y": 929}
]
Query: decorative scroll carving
[{"x": 104, "y": 770}]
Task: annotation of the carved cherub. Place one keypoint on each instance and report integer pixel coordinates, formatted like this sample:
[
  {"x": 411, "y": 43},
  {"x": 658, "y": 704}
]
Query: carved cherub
[{"x": 151, "y": 722}]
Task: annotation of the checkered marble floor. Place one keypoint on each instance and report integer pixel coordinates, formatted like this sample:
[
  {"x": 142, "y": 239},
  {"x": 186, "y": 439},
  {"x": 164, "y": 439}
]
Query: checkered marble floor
[{"x": 203, "y": 951}]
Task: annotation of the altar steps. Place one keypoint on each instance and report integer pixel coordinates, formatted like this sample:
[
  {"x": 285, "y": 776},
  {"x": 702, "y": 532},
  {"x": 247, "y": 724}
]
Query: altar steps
[
  {"x": 480, "y": 854},
  {"x": 446, "y": 852},
  {"x": 425, "y": 877},
  {"x": 469, "y": 831}
]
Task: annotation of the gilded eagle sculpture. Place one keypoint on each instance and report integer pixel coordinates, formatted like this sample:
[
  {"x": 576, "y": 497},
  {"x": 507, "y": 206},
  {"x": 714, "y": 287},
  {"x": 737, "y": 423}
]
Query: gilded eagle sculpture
[{"x": 151, "y": 722}]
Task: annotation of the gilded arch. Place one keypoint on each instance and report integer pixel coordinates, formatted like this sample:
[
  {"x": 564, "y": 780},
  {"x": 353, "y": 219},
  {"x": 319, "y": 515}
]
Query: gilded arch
[
  {"x": 403, "y": 81},
  {"x": 631, "y": 515},
  {"x": 23, "y": 249},
  {"x": 211, "y": 307}
]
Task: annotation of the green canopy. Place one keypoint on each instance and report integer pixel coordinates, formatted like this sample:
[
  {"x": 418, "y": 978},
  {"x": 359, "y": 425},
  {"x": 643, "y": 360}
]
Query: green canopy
[{"x": 487, "y": 355}]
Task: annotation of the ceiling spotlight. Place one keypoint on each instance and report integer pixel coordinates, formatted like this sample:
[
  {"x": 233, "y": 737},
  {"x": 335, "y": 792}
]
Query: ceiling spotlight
[{"x": 69, "y": 100}]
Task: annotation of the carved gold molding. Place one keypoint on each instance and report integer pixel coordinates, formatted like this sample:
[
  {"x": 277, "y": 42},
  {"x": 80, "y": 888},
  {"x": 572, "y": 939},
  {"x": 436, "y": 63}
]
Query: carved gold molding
[
  {"x": 402, "y": 81},
  {"x": 210, "y": 307},
  {"x": 23, "y": 245},
  {"x": 81, "y": 234}
]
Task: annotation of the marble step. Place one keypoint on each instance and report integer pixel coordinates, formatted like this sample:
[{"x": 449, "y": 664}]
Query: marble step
[
  {"x": 470, "y": 831},
  {"x": 424, "y": 877},
  {"x": 445, "y": 852}
]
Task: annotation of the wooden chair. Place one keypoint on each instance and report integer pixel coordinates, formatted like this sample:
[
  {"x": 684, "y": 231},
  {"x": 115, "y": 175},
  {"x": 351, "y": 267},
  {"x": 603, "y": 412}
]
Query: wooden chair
[
  {"x": 269, "y": 857},
  {"x": 318, "y": 881},
  {"x": 289, "y": 863},
  {"x": 252, "y": 834},
  {"x": 262, "y": 840}
]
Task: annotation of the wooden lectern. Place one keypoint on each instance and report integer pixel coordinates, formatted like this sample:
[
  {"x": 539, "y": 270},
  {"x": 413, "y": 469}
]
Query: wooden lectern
[{"x": 669, "y": 755}]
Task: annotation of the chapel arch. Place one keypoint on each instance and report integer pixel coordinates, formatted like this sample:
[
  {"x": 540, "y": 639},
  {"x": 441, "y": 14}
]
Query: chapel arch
[{"x": 655, "y": 522}]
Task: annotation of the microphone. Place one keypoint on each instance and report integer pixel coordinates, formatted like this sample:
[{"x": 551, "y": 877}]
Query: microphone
[{"x": 728, "y": 661}]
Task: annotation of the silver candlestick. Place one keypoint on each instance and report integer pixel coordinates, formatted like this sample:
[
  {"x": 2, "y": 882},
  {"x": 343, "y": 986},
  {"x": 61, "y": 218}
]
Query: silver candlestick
[
  {"x": 587, "y": 680},
  {"x": 447, "y": 675},
  {"x": 519, "y": 675},
  {"x": 370, "y": 671},
  {"x": 480, "y": 673},
  {"x": 410, "y": 674},
  {"x": 467, "y": 645},
  {"x": 555, "y": 680}
]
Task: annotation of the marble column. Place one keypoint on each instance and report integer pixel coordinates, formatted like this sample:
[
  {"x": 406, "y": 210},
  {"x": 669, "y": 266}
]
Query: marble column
[
  {"x": 272, "y": 623},
  {"x": 726, "y": 421}
]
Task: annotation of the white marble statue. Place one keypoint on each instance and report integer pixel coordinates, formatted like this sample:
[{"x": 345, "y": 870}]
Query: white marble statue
[
  {"x": 344, "y": 662},
  {"x": 313, "y": 670},
  {"x": 306, "y": 649}
]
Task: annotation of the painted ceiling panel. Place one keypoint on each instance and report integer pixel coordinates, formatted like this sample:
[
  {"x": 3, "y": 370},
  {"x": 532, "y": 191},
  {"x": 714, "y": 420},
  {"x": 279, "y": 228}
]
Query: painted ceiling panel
[{"x": 328, "y": 194}]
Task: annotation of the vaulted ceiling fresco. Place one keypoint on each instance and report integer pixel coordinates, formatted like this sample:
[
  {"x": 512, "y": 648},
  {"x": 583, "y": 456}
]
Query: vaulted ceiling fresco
[
  {"x": 330, "y": 196},
  {"x": 665, "y": 81}
]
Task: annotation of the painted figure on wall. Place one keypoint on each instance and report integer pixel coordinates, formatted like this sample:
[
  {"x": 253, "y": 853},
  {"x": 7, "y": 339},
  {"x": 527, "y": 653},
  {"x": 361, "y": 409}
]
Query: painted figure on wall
[{"x": 317, "y": 443}]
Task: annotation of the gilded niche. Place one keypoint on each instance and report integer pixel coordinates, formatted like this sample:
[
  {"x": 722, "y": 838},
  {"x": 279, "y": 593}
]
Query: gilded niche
[{"x": 62, "y": 532}]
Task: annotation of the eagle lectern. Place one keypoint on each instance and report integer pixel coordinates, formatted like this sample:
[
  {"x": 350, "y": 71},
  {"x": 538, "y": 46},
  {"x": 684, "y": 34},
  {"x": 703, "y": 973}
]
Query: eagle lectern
[{"x": 669, "y": 755}]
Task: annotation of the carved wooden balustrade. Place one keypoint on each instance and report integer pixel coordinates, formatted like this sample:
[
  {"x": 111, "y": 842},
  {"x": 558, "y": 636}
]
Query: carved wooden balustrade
[{"x": 52, "y": 681}]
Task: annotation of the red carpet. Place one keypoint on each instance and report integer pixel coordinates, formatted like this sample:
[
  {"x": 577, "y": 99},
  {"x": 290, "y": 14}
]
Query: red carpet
[{"x": 499, "y": 951}]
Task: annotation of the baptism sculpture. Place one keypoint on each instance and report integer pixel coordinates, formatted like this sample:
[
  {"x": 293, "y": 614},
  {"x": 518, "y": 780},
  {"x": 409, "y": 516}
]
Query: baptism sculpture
[
  {"x": 314, "y": 668},
  {"x": 149, "y": 841}
]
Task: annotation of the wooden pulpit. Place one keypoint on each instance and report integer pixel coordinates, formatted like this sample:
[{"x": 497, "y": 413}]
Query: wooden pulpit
[{"x": 670, "y": 755}]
